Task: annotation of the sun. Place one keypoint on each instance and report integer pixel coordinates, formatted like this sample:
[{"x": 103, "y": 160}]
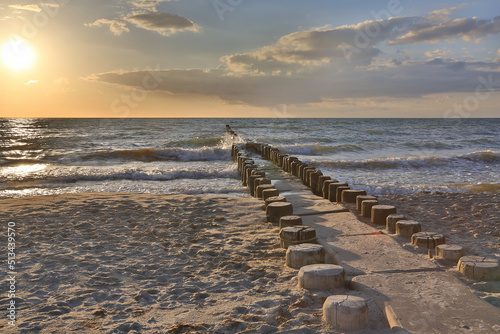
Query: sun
[{"x": 17, "y": 54}]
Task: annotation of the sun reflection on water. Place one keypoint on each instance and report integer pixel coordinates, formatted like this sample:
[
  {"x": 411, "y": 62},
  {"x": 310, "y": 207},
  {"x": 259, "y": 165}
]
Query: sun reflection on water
[
  {"x": 22, "y": 139},
  {"x": 22, "y": 170}
]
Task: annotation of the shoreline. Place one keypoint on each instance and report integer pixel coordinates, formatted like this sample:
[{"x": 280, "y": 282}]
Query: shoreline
[{"x": 485, "y": 191}]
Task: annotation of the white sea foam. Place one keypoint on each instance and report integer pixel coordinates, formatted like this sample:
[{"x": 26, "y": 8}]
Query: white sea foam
[{"x": 75, "y": 174}]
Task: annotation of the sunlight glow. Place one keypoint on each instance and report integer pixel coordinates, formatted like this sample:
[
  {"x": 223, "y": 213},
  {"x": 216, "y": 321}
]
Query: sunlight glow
[
  {"x": 22, "y": 169},
  {"x": 17, "y": 54}
]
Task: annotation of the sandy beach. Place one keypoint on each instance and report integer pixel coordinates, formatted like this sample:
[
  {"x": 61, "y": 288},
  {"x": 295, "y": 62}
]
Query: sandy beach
[{"x": 130, "y": 263}]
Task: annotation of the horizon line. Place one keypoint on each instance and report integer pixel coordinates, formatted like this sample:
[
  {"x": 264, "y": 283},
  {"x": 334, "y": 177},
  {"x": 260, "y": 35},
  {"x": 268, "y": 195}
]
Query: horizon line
[{"x": 27, "y": 117}]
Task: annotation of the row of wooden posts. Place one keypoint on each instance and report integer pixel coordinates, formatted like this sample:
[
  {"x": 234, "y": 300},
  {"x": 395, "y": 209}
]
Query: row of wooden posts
[
  {"x": 339, "y": 310},
  {"x": 335, "y": 191}
]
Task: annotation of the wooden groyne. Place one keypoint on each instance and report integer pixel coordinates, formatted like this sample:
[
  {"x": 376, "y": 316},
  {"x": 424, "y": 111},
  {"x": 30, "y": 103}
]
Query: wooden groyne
[{"x": 324, "y": 223}]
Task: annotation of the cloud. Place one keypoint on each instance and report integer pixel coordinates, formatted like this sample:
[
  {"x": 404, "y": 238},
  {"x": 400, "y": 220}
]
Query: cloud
[
  {"x": 321, "y": 46},
  {"x": 257, "y": 91},
  {"x": 311, "y": 66},
  {"x": 148, "y": 3},
  {"x": 163, "y": 23},
  {"x": 33, "y": 8},
  {"x": 437, "y": 53},
  {"x": 408, "y": 80},
  {"x": 358, "y": 44},
  {"x": 443, "y": 15},
  {"x": 465, "y": 28},
  {"x": 117, "y": 27},
  {"x": 460, "y": 65}
]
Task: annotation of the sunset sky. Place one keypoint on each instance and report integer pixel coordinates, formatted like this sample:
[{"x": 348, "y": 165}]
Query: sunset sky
[{"x": 249, "y": 58}]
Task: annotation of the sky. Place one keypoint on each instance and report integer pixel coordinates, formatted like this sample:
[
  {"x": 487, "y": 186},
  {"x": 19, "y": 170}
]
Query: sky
[{"x": 249, "y": 58}]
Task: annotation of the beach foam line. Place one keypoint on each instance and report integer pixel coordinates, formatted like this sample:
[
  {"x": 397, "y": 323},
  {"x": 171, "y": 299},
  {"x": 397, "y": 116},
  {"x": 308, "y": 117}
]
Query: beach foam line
[
  {"x": 234, "y": 191},
  {"x": 70, "y": 175},
  {"x": 384, "y": 189}
]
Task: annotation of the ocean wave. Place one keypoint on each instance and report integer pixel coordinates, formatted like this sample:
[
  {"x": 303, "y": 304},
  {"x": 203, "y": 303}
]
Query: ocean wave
[
  {"x": 488, "y": 157},
  {"x": 281, "y": 141},
  {"x": 430, "y": 145},
  {"x": 483, "y": 156},
  {"x": 384, "y": 189},
  {"x": 408, "y": 189},
  {"x": 479, "y": 141},
  {"x": 72, "y": 175},
  {"x": 228, "y": 140},
  {"x": 317, "y": 149},
  {"x": 162, "y": 154},
  {"x": 195, "y": 149},
  {"x": 7, "y": 162},
  {"x": 373, "y": 131}
]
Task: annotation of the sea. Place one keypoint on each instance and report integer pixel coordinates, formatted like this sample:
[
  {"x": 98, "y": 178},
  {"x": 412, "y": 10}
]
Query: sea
[{"x": 193, "y": 156}]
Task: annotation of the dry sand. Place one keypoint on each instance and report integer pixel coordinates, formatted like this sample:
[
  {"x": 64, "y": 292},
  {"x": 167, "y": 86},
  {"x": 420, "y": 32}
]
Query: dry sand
[
  {"x": 471, "y": 220},
  {"x": 118, "y": 263},
  {"x": 467, "y": 219},
  {"x": 145, "y": 263}
]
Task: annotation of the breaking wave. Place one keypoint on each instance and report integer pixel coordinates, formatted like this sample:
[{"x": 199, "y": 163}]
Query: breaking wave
[
  {"x": 71, "y": 175},
  {"x": 481, "y": 157},
  {"x": 162, "y": 154}
]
